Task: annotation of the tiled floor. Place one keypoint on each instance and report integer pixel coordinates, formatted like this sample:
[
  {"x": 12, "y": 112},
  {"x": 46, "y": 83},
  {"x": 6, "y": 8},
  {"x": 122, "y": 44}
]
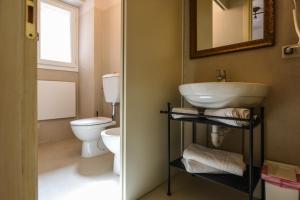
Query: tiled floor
[{"x": 64, "y": 175}]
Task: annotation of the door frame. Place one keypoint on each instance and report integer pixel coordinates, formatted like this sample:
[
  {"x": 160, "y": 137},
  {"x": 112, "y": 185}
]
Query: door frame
[
  {"x": 18, "y": 134},
  {"x": 21, "y": 170}
]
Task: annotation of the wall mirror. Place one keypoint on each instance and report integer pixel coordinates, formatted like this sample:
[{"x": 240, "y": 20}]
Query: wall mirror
[{"x": 223, "y": 26}]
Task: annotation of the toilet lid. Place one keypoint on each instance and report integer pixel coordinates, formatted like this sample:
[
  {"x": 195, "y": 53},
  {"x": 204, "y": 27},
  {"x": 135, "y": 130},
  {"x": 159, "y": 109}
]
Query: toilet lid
[{"x": 91, "y": 121}]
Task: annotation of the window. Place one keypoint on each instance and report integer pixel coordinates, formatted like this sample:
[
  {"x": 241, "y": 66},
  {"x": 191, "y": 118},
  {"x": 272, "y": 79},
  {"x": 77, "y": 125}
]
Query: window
[{"x": 58, "y": 36}]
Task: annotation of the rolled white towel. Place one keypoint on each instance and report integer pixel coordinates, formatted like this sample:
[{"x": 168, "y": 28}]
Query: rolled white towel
[
  {"x": 241, "y": 113},
  {"x": 192, "y": 166},
  {"x": 184, "y": 111},
  {"x": 222, "y": 160}
]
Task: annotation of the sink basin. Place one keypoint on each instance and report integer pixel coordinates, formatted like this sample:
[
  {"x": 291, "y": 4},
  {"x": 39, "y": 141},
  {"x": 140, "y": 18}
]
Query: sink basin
[{"x": 224, "y": 94}]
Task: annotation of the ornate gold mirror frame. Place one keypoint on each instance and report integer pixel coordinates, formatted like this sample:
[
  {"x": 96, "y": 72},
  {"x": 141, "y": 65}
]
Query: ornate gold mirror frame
[{"x": 268, "y": 40}]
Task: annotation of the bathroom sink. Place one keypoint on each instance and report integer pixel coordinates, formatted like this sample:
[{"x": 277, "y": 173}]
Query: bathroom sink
[{"x": 224, "y": 94}]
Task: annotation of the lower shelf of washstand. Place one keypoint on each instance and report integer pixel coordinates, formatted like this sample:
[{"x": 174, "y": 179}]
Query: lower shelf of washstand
[{"x": 240, "y": 183}]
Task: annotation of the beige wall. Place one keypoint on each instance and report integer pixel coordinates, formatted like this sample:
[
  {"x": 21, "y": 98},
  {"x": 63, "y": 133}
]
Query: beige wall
[
  {"x": 263, "y": 65},
  {"x": 152, "y": 75},
  {"x": 218, "y": 27},
  {"x": 205, "y": 24},
  {"x": 228, "y": 25},
  {"x": 100, "y": 53},
  {"x": 57, "y": 129},
  {"x": 110, "y": 44},
  {"x": 88, "y": 68}
]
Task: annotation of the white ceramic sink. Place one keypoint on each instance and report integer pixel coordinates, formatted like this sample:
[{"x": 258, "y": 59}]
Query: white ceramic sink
[{"x": 224, "y": 94}]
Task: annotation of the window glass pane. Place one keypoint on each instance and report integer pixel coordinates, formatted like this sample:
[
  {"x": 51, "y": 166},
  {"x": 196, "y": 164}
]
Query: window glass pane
[{"x": 55, "y": 34}]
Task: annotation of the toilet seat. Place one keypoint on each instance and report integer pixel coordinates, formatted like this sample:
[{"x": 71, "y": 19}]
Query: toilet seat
[{"x": 91, "y": 121}]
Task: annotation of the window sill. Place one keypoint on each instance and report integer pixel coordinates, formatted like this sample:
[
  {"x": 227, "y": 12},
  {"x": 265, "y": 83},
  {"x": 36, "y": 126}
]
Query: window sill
[{"x": 58, "y": 68}]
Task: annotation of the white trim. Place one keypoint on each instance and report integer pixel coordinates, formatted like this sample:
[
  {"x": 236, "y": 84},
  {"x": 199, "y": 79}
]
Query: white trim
[
  {"x": 55, "y": 65},
  {"x": 58, "y": 68},
  {"x": 123, "y": 178},
  {"x": 76, "y": 3}
]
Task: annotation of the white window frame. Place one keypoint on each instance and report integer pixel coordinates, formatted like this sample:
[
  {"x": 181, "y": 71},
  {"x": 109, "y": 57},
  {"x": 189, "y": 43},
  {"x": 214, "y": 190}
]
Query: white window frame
[{"x": 56, "y": 65}]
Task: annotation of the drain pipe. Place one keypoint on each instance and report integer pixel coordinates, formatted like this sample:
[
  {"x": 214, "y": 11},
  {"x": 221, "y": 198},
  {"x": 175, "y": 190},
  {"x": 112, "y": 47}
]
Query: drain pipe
[
  {"x": 217, "y": 136},
  {"x": 113, "y": 111},
  {"x": 113, "y": 118}
]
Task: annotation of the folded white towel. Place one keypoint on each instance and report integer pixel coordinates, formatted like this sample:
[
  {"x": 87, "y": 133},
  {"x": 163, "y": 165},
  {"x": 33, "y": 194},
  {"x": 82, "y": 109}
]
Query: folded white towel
[
  {"x": 222, "y": 160},
  {"x": 184, "y": 111},
  {"x": 192, "y": 166},
  {"x": 241, "y": 113}
]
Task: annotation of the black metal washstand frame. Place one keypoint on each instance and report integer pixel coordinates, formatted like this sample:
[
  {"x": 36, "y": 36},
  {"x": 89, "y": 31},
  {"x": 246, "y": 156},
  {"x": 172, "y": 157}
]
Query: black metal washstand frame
[{"x": 250, "y": 179}]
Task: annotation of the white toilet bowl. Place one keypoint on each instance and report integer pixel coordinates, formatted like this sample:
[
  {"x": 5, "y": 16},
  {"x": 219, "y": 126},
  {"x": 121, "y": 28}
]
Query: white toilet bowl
[
  {"x": 111, "y": 139},
  {"x": 89, "y": 132}
]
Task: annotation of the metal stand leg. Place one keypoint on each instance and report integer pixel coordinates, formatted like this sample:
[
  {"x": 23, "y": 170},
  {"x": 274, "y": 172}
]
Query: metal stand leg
[
  {"x": 243, "y": 142},
  {"x": 194, "y": 132},
  {"x": 169, "y": 150},
  {"x": 182, "y": 139},
  {"x": 250, "y": 146},
  {"x": 262, "y": 146},
  {"x": 251, "y": 156},
  {"x": 207, "y": 135}
]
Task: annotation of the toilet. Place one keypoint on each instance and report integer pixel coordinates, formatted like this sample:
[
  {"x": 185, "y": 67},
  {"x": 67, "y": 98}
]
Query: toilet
[
  {"x": 89, "y": 130},
  {"x": 111, "y": 139}
]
